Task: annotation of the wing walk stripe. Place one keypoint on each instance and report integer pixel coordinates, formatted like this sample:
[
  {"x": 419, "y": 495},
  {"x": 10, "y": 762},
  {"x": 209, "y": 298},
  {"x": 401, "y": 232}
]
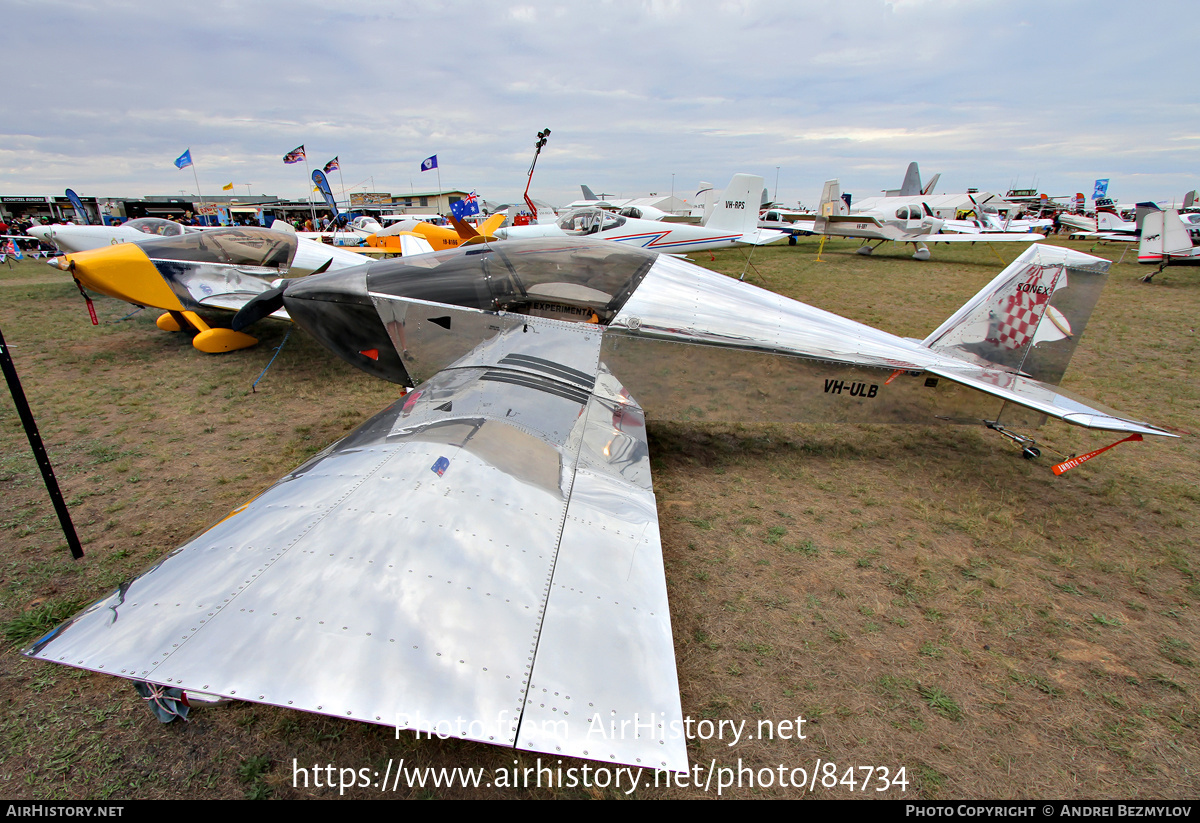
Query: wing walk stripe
[
  {"x": 551, "y": 368},
  {"x": 541, "y": 384}
]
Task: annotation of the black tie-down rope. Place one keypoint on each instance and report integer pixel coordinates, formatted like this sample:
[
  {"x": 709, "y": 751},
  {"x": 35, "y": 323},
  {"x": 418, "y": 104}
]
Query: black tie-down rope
[
  {"x": 279, "y": 348},
  {"x": 39, "y": 450}
]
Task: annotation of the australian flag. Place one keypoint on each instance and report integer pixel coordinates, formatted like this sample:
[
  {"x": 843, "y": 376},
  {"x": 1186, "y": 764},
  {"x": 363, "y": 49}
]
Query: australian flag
[
  {"x": 429, "y": 163},
  {"x": 184, "y": 160},
  {"x": 295, "y": 155},
  {"x": 332, "y": 165},
  {"x": 465, "y": 207}
]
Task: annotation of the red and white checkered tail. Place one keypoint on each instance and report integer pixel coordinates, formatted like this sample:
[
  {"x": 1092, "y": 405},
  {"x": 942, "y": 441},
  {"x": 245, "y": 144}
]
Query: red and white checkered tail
[{"x": 1029, "y": 319}]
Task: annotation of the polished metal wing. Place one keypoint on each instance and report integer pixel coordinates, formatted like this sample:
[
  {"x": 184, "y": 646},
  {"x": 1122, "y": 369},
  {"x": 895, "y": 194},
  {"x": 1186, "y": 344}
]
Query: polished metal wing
[{"x": 481, "y": 560}]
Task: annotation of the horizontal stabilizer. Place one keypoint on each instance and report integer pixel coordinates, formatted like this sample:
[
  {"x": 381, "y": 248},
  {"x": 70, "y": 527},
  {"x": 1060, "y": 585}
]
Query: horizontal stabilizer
[{"x": 1042, "y": 398}]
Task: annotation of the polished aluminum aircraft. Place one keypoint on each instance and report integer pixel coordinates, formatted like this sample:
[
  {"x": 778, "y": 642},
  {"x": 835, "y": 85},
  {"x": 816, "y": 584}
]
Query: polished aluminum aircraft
[{"x": 482, "y": 558}]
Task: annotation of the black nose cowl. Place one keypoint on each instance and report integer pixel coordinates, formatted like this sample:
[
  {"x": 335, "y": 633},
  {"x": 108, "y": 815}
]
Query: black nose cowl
[{"x": 335, "y": 309}]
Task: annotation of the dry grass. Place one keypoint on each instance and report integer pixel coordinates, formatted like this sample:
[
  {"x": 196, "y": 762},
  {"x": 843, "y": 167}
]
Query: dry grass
[{"x": 921, "y": 596}]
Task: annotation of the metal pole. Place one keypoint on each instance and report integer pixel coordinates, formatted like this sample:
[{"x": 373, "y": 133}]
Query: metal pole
[
  {"x": 312, "y": 209},
  {"x": 39, "y": 450},
  {"x": 203, "y": 205}
]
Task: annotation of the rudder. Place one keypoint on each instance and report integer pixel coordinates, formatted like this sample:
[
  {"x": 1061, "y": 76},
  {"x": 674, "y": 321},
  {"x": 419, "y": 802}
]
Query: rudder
[{"x": 1030, "y": 318}]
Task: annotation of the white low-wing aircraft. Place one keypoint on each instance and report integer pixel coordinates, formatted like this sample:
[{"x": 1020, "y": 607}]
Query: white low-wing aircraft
[
  {"x": 734, "y": 221},
  {"x": 1168, "y": 237},
  {"x": 308, "y": 256},
  {"x": 902, "y": 219},
  {"x": 1109, "y": 224},
  {"x": 482, "y": 559},
  {"x": 71, "y": 237}
]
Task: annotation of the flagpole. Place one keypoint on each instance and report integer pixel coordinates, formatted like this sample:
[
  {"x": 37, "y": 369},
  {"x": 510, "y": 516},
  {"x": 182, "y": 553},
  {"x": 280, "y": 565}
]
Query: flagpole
[
  {"x": 311, "y": 207},
  {"x": 439, "y": 194},
  {"x": 343, "y": 182},
  {"x": 203, "y": 205}
]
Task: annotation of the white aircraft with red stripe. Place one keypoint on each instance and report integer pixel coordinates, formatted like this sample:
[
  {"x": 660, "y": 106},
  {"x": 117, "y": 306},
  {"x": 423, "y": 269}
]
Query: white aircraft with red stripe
[{"x": 733, "y": 222}]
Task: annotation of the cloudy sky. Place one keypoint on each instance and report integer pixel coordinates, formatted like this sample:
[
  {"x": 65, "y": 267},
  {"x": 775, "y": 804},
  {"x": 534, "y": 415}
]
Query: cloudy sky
[{"x": 640, "y": 96}]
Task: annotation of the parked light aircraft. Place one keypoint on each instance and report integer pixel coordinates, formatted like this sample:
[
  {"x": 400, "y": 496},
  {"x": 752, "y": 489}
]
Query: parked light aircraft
[
  {"x": 71, "y": 238},
  {"x": 438, "y": 237},
  {"x": 188, "y": 272},
  {"x": 1168, "y": 237},
  {"x": 734, "y": 221},
  {"x": 899, "y": 219},
  {"x": 1109, "y": 224},
  {"x": 482, "y": 558}
]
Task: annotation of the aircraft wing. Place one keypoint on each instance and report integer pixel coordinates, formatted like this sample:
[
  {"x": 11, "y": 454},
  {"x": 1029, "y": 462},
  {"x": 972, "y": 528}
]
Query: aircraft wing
[
  {"x": 763, "y": 237},
  {"x": 234, "y": 302},
  {"x": 836, "y": 219},
  {"x": 983, "y": 237},
  {"x": 481, "y": 559}
]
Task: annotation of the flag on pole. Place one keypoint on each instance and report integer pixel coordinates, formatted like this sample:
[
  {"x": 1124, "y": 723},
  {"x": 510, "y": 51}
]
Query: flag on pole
[
  {"x": 322, "y": 185},
  {"x": 429, "y": 163},
  {"x": 184, "y": 160},
  {"x": 296, "y": 155},
  {"x": 227, "y": 187},
  {"x": 332, "y": 165},
  {"x": 467, "y": 206},
  {"x": 1101, "y": 189}
]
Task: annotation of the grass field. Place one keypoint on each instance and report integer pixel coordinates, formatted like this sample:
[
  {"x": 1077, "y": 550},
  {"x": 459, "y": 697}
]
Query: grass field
[{"x": 921, "y": 596}]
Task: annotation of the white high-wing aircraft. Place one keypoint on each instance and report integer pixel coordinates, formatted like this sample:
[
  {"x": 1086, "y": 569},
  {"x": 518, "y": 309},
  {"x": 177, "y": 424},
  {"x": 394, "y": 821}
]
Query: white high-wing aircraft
[
  {"x": 902, "y": 219},
  {"x": 734, "y": 221}
]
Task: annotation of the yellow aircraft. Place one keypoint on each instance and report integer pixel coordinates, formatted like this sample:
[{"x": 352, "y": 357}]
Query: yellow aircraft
[
  {"x": 439, "y": 237},
  {"x": 213, "y": 269}
]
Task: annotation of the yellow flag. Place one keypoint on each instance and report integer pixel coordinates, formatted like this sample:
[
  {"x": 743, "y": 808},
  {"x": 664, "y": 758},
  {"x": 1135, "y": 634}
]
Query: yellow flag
[{"x": 227, "y": 187}]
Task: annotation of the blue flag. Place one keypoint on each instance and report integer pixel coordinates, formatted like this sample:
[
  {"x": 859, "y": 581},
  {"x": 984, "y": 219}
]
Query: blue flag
[
  {"x": 1101, "y": 189},
  {"x": 465, "y": 207},
  {"x": 318, "y": 177},
  {"x": 429, "y": 163},
  {"x": 184, "y": 160},
  {"x": 80, "y": 211}
]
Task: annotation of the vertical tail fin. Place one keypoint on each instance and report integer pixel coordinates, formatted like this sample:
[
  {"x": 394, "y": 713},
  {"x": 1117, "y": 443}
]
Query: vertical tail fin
[
  {"x": 587, "y": 193},
  {"x": 929, "y": 186},
  {"x": 912, "y": 181},
  {"x": 737, "y": 207},
  {"x": 831, "y": 200},
  {"x": 1030, "y": 317},
  {"x": 1163, "y": 233}
]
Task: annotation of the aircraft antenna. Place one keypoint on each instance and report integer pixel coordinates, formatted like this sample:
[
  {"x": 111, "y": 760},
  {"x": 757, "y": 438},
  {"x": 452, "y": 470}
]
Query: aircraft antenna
[{"x": 541, "y": 142}]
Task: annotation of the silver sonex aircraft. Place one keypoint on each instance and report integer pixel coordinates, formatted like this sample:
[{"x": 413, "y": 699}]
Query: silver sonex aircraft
[{"x": 482, "y": 558}]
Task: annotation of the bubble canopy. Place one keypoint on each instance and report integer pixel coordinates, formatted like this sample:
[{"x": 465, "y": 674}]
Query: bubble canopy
[{"x": 513, "y": 274}]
